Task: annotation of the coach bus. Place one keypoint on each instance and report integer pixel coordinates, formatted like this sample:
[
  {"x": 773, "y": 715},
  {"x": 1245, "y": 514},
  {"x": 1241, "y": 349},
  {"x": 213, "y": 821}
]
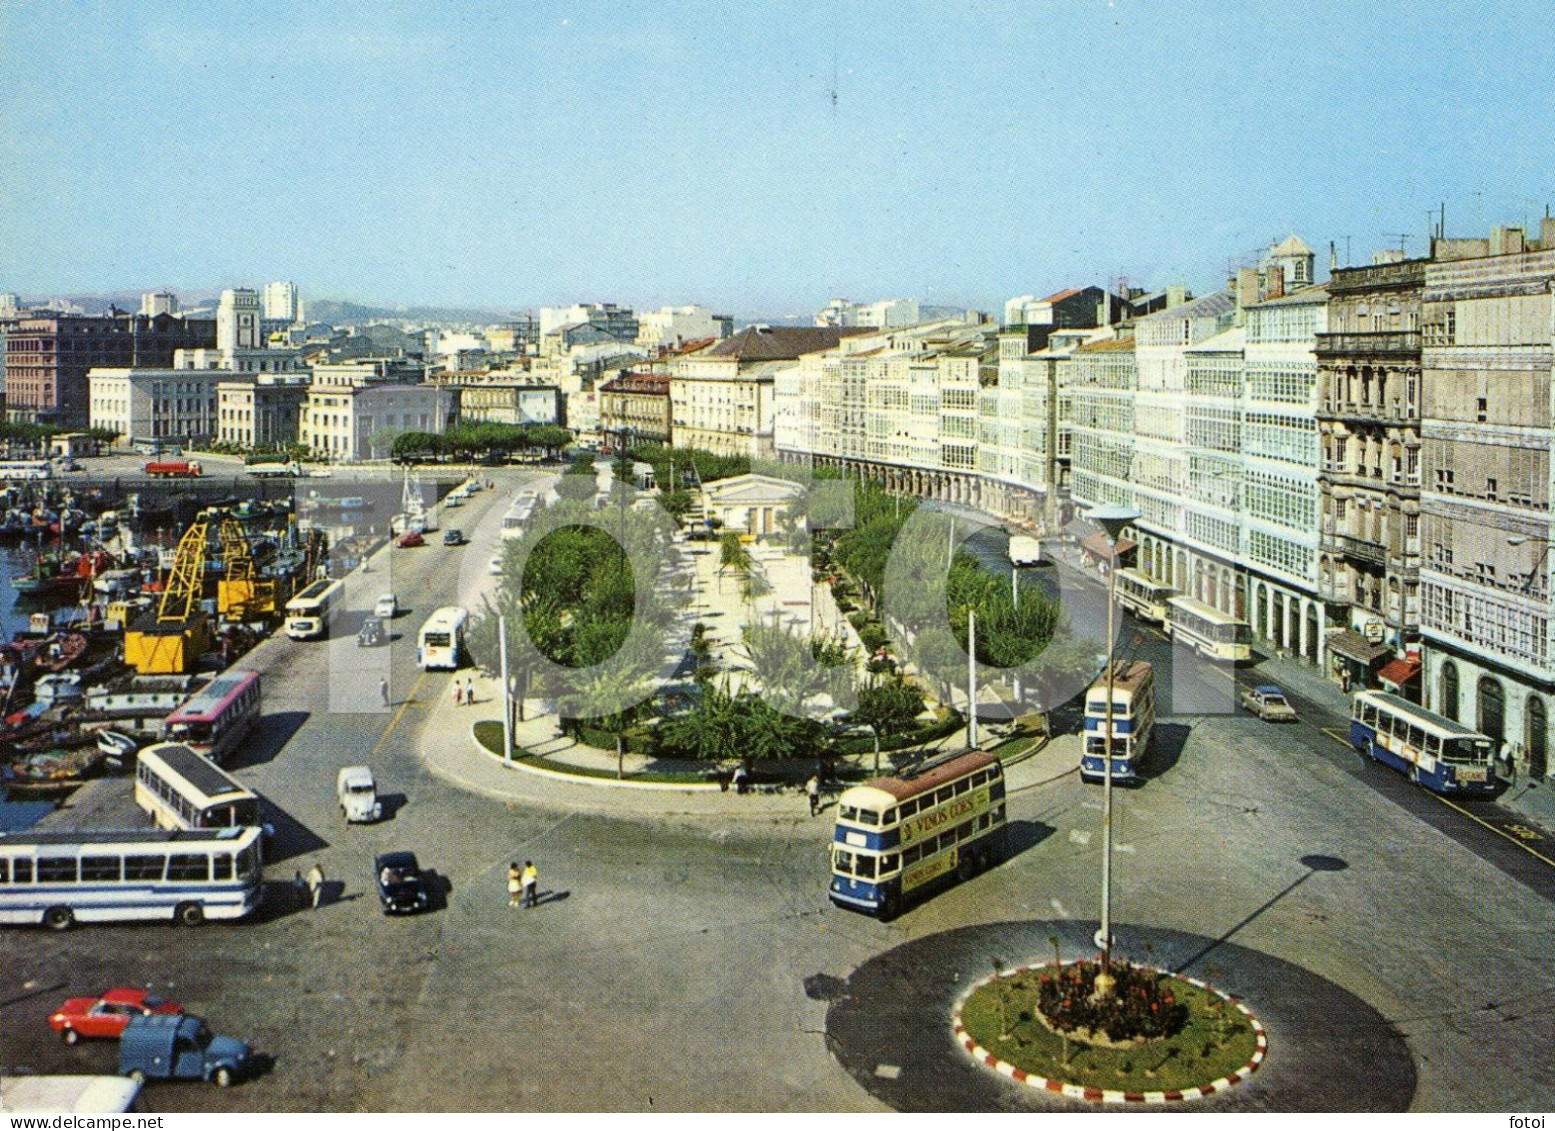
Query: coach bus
[
  {"x": 1434, "y": 751},
  {"x": 1144, "y": 598},
  {"x": 307, "y": 614},
  {"x": 214, "y": 719},
  {"x": 182, "y": 790},
  {"x": 896, "y": 837},
  {"x": 1133, "y": 719},
  {"x": 105, "y": 876},
  {"x": 1208, "y": 631},
  {"x": 441, "y": 643}
]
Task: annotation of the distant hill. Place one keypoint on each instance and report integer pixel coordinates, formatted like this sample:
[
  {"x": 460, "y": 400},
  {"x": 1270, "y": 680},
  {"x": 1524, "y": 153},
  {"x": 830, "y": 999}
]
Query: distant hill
[{"x": 341, "y": 312}]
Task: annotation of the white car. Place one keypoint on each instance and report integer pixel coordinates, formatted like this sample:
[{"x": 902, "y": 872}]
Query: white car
[
  {"x": 358, "y": 794},
  {"x": 495, "y": 566},
  {"x": 387, "y": 608}
]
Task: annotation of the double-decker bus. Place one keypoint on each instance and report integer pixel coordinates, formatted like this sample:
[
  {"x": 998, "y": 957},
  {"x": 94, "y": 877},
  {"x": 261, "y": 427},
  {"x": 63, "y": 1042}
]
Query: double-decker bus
[
  {"x": 1434, "y": 751},
  {"x": 214, "y": 719},
  {"x": 307, "y": 614},
  {"x": 105, "y": 876},
  {"x": 895, "y": 837},
  {"x": 1208, "y": 631},
  {"x": 182, "y": 790},
  {"x": 1133, "y": 718},
  {"x": 1144, "y": 598},
  {"x": 441, "y": 642}
]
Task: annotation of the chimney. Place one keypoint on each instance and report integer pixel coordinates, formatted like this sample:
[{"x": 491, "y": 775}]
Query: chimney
[
  {"x": 1547, "y": 233},
  {"x": 1246, "y": 287},
  {"x": 1274, "y": 281},
  {"x": 1176, "y": 295},
  {"x": 1333, "y": 257}
]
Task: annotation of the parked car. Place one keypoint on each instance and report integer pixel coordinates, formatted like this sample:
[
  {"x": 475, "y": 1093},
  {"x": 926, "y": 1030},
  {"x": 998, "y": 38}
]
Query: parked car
[
  {"x": 107, "y": 1014},
  {"x": 495, "y": 566},
  {"x": 453, "y": 500},
  {"x": 410, "y": 538},
  {"x": 159, "y": 1047},
  {"x": 453, "y": 536},
  {"x": 358, "y": 794},
  {"x": 387, "y": 607},
  {"x": 371, "y": 634},
  {"x": 402, "y": 890},
  {"x": 1269, "y": 703}
]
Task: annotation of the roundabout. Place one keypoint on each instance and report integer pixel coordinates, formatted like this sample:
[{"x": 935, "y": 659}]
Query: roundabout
[{"x": 897, "y": 1025}]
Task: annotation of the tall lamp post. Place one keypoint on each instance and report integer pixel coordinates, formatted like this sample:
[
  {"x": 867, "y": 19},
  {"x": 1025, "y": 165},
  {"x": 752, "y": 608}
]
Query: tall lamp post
[{"x": 1111, "y": 519}]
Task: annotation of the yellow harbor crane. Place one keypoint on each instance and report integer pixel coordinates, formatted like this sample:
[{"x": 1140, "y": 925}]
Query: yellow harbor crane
[{"x": 170, "y": 640}]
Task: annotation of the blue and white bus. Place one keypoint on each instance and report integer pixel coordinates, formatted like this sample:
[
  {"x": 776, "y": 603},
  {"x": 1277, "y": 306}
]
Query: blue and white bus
[
  {"x": 896, "y": 837},
  {"x": 103, "y": 876},
  {"x": 1434, "y": 751},
  {"x": 1133, "y": 720}
]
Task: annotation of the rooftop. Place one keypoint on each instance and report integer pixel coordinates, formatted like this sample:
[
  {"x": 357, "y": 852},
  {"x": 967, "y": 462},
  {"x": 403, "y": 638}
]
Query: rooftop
[{"x": 781, "y": 343}]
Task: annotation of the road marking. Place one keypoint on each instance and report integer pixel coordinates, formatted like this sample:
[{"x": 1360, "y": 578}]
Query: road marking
[
  {"x": 1338, "y": 736},
  {"x": 398, "y": 715},
  {"x": 1058, "y": 907},
  {"x": 1495, "y": 828},
  {"x": 1076, "y": 836}
]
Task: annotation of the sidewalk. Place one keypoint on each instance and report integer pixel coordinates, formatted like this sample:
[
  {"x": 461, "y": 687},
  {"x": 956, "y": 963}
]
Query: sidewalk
[{"x": 450, "y": 751}]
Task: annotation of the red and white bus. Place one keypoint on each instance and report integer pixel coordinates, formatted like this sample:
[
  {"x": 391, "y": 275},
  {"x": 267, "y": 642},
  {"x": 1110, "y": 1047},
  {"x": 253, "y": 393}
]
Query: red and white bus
[{"x": 214, "y": 719}]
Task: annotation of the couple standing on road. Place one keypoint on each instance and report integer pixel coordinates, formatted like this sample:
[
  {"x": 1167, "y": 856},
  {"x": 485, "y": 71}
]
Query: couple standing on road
[{"x": 523, "y": 885}]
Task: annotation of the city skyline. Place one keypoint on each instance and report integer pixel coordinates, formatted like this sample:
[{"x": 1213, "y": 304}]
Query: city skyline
[{"x": 757, "y": 161}]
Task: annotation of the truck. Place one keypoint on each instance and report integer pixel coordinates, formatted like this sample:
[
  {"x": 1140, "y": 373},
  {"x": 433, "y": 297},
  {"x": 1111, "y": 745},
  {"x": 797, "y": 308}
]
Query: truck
[
  {"x": 1025, "y": 550},
  {"x": 1269, "y": 703},
  {"x": 358, "y": 794},
  {"x": 273, "y": 470},
  {"x": 173, "y": 469}
]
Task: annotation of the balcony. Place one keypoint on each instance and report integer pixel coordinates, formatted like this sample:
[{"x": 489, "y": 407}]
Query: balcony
[
  {"x": 1391, "y": 343},
  {"x": 1358, "y": 548}
]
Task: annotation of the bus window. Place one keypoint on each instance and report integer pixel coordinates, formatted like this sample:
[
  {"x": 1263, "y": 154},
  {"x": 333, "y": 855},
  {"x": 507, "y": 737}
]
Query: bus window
[
  {"x": 143, "y": 867},
  {"x": 943, "y": 794},
  {"x": 222, "y": 863},
  {"x": 962, "y": 786},
  {"x": 1453, "y": 750},
  {"x": 868, "y": 817},
  {"x": 889, "y": 818},
  {"x": 188, "y": 866},
  {"x": 1416, "y": 737},
  {"x": 5, "y": 871},
  {"x": 909, "y": 808},
  {"x": 844, "y": 861},
  {"x": 22, "y": 872},
  {"x": 56, "y": 870},
  {"x": 947, "y": 840},
  {"x": 888, "y": 864},
  {"x": 864, "y": 867},
  {"x": 248, "y": 861},
  {"x": 1097, "y": 706},
  {"x": 100, "y": 869},
  {"x": 1368, "y": 714},
  {"x": 1433, "y": 745},
  {"x": 847, "y": 813}
]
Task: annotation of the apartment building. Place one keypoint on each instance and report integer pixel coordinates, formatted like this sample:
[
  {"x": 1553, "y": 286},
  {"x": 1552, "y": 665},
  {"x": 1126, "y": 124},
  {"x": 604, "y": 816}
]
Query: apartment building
[
  {"x": 1368, "y": 419},
  {"x": 263, "y": 410},
  {"x": 145, "y": 404},
  {"x": 638, "y": 403},
  {"x": 352, "y": 422},
  {"x": 1485, "y": 429}
]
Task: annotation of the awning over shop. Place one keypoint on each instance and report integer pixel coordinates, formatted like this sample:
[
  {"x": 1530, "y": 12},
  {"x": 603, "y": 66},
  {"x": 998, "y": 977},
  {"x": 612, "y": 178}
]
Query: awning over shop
[
  {"x": 1352, "y": 645},
  {"x": 1097, "y": 544},
  {"x": 1396, "y": 673}
]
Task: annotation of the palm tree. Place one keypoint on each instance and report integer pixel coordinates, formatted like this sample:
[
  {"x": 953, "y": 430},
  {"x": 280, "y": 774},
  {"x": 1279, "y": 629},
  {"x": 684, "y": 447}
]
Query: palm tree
[{"x": 887, "y": 707}]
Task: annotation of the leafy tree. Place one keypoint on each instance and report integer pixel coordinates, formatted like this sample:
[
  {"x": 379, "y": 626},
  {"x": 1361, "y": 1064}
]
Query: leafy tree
[
  {"x": 888, "y": 707},
  {"x": 793, "y": 668}
]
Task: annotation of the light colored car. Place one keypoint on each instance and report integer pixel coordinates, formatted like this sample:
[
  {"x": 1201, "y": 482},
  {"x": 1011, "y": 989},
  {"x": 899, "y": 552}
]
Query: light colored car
[
  {"x": 495, "y": 566},
  {"x": 1268, "y": 702},
  {"x": 387, "y": 608},
  {"x": 358, "y": 794}
]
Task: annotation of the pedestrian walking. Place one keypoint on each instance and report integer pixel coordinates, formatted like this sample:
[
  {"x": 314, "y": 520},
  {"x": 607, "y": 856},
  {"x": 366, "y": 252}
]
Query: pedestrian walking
[
  {"x": 469, "y": 692},
  {"x": 812, "y": 790},
  {"x": 383, "y": 691},
  {"x": 458, "y": 693},
  {"x": 515, "y": 883},
  {"x": 316, "y": 883},
  {"x": 530, "y": 883}
]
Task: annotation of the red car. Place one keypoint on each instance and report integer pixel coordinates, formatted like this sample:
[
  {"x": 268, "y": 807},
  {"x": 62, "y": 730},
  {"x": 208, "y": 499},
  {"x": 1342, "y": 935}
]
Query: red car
[
  {"x": 105, "y": 1016},
  {"x": 408, "y": 539}
]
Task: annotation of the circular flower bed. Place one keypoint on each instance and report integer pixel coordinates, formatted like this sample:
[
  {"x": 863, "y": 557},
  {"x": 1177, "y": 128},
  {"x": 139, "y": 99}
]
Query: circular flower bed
[{"x": 1154, "y": 1037}]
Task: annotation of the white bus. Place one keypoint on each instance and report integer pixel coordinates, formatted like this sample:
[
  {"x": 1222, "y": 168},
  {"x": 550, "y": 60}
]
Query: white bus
[
  {"x": 1436, "y": 752},
  {"x": 183, "y": 790},
  {"x": 103, "y": 876},
  {"x": 26, "y": 469},
  {"x": 516, "y": 520},
  {"x": 1144, "y": 598},
  {"x": 307, "y": 614},
  {"x": 441, "y": 643},
  {"x": 1208, "y": 631},
  {"x": 1133, "y": 720}
]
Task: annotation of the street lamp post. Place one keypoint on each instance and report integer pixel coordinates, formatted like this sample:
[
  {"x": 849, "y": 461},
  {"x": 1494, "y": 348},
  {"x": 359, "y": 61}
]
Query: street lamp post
[
  {"x": 1523, "y": 540},
  {"x": 1111, "y": 519}
]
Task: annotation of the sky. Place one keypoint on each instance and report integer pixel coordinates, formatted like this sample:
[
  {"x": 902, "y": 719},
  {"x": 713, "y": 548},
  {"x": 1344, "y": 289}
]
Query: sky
[{"x": 757, "y": 158}]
